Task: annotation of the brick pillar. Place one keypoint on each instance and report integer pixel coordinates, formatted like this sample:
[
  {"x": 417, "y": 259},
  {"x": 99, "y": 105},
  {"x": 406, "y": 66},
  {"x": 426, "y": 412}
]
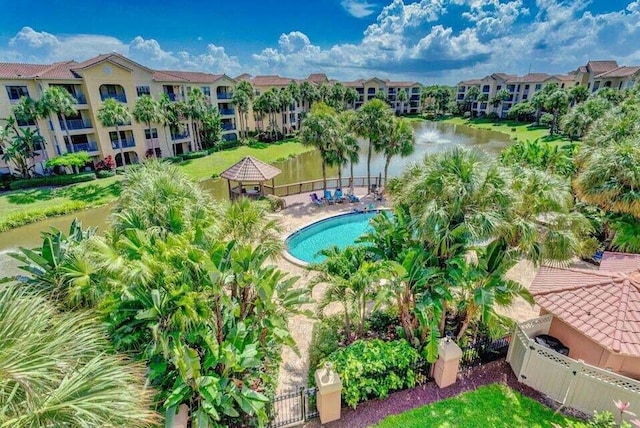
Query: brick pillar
[
  {"x": 328, "y": 397},
  {"x": 445, "y": 370}
]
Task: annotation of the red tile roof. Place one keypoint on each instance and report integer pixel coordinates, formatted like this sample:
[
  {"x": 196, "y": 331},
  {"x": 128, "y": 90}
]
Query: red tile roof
[
  {"x": 272, "y": 80},
  {"x": 602, "y": 305},
  {"x": 623, "y": 71},
  {"x": 57, "y": 70},
  {"x": 15, "y": 70},
  {"x": 597, "y": 67},
  {"x": 318, "y": 78},
  {"x": 529, "y": 78},
  {"x": 620, "y": 262}
]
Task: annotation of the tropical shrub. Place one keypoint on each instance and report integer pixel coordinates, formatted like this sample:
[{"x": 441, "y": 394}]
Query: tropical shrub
[
  {"x": 542, "y": 156},
  {"x": 72, "y": 377},
  {"x": 173, "y": 159},
  {"x": 373, "y": 368},
  {"x": 194, "y": 155},
  {"x": 105, "y": 173},
  {"x": 493, "y": 116},
  {"x": 106, "y": 164},
  {"x": 276, "y": 203},
  {"x": 546, "y": 119},
  {"x": 74, "y": 160},
  {"x": 228, "y": 144},
  {"x": 327, "y": 337},
  {"x": 52, "y": 180}
]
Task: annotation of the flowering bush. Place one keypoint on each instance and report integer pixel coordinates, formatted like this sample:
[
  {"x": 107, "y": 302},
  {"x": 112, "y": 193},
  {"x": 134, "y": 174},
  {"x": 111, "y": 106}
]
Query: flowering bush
[{"x": 107, "y": 164}]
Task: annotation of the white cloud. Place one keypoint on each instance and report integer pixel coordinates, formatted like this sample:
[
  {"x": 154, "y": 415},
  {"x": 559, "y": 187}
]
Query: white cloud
[{"x": 359, "y": 8}]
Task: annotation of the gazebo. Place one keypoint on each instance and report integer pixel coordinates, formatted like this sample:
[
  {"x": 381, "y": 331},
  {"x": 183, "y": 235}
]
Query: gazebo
[{"x": 250, "y": 174}]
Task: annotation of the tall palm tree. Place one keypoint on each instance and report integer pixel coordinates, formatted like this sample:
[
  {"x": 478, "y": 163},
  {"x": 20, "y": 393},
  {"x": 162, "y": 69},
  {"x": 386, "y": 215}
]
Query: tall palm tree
[
  {"x": 71, "y": 377},
  {"x": 246, "y": 88},
  {"x": 59, "y": 101},
  {"x": 28, "y": 110},
  {"x": 557, "y": 103},
  {"x": 241, "y": 101},
  {"x": 148, "y": 111},
  {"x": 398, "y": 141},
  {"x": 320, "y": 130},
  {"x": 167, "y": 114},
  {"x": 113, "y": 114},
  {"x": 371, "y": 122},
  {"x": 402, "y": 98},
  {"x": 308, "y": 94},
  {"x": 336, "y": 96},
  {"x": 285, "y": 99},
  {"x": 323, "y": 93},
  {"x": 351, "y": 96},
  {"x": 500, "y": 96},
  {"x": 472, "y": 96},
  {"x": 197, "y": 104}
]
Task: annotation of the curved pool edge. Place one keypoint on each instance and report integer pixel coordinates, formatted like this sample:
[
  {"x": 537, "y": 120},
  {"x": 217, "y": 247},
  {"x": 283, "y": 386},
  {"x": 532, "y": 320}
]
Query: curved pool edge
[{"x": 301, "y": 263}]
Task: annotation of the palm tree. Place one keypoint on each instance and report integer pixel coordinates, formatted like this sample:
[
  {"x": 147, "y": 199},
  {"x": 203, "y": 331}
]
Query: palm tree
[
  {"x": 336, "y": 96},
  {"x": 113, "y": 114},
  {"x": 245, "y": 88},
  {"x": 71, "y": 377},
  {"x": 59, "y": 101},
  {"x": 320, "y": 130},
  {"x": 578, "y": 94},
  {"x": 371, "y": 123},
  {"x": 402, "y": 98},
  {"x": 285, "y": 99},
  {"x": 351, "y": 147},
  {"x": 197, "y": 104},
  {"x": 21, "y": 149},
  {"x": 323, "y": 93},
  {"x": 501, "y": 96},
  {"x": 148, "y": 111},
  {"x": 241, "y": 101},
  {"x": 351, "y": 96},
  {"x": 398, "y": 141},
  {"x": 472, "y": 96},
  {"x": 557, "y": 103}
]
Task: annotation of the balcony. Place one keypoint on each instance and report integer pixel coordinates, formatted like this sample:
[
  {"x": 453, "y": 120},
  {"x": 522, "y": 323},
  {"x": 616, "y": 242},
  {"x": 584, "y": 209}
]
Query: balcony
[
  {"x": 126, "y": 142},
  {"x": 180, "y": 136},
  {"x": 224, "y": 95},
  {"x": 173, "y": 97},
  {"x": 89, "y": 146},
  {"x": 118, "y": 97},
  {"x": 227, "y": 111},
  {"x": 228, "y": 127},
  {"x": 73, "y": 124}
]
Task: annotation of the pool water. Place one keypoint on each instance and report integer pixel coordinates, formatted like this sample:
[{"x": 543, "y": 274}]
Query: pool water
[{"x": 341, "y": 231}]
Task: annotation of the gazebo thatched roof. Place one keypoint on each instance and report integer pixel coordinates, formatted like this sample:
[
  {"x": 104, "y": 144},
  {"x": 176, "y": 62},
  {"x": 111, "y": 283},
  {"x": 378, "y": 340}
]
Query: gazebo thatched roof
[{"x": 250, "y": 170}]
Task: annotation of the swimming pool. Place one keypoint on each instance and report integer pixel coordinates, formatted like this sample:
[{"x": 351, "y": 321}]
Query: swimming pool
[{"x": 341, "y": 230}]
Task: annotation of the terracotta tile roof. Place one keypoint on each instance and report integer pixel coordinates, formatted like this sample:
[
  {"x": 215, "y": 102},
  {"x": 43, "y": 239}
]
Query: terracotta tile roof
[
  {"x": 16, "y": 70},
  {"x": 503, "y": 76},
  {"x": 602, "y": 305},
  {"x": 623, "y": 71},
  {"x": 597, "y": 67},
  {"x": 354, "y": 83},
  {"x": 583, "y": 69},
  {"x": 272, "y": 80},
  {"x": 250, "y": 169},
  {"x": 471, "y": 82},
  {"x": 318, "y": 78},
  {"x": 530, "y": 78},
  {"x": 620, "y": 262},
  {"x": 393, "y": 84},
  {"x": 243, "y": 76},
  {"x": 186, "y": 76},
  {"x": 57, "y": 70},
  {"x": 92, "y": 61},
  {"x": 565, "y": 77}
]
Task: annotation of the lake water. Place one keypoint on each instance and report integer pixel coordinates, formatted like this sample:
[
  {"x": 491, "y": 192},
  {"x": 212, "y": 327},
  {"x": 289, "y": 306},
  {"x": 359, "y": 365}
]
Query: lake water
[{"x": 431, "y": 137}]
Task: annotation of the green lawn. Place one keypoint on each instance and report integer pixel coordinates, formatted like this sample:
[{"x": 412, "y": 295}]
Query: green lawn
[
  {"x": 516, "y": 130},
  {"x": 491, "y": 406},
  {"x": 27, "y": 206}
]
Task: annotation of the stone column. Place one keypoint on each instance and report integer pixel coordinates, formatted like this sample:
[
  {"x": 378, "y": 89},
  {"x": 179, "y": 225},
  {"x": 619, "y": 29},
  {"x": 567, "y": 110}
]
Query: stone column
[
  {"x": 328, "y": 397},
  {"x": 445, "y": 370}
]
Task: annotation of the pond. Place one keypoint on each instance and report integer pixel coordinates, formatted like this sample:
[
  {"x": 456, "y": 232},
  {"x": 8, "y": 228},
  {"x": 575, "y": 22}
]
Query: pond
[{"x": 431, "y": 137}]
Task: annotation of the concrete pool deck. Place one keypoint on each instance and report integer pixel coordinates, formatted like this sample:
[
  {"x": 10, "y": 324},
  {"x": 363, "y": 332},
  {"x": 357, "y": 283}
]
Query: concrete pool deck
[{"x": 299, "y": 212}]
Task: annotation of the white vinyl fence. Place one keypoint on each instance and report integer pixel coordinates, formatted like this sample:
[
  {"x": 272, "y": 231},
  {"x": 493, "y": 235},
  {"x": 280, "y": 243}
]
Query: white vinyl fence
[{"x": 573, "y": 383}]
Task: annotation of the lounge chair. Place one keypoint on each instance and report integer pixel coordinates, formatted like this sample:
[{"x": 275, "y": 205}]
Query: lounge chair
[
  {"x": 353, "y": 198},
  {"x": 316, "y": 200},
  {"x": 338, "y": 196},
  {"x": 327, "y": 197}
]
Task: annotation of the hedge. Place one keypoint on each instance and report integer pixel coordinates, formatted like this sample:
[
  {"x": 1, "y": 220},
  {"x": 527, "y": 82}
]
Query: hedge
[
  {"x": 223, "y": 145},
  {"x": 195, "y": 155},
  {"x": 52, "y": 180},
  {"x": 105, "y": 173},
  {"x": 31, "y": 216},
  {"x": 173, "y": 159}
]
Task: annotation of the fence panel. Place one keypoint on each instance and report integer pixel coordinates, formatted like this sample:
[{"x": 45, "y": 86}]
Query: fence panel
[{"x": 484, "y": 351}]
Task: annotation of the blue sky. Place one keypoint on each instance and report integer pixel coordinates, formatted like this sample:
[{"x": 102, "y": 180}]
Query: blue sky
[{"x": 432, "y": 41}]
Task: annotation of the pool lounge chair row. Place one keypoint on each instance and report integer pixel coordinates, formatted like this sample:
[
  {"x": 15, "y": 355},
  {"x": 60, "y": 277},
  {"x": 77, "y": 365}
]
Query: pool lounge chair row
[{"x": 332, "y": 199}]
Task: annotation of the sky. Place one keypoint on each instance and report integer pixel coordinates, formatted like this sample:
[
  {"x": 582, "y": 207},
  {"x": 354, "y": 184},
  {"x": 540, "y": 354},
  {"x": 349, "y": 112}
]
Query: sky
[{"x": 430, "y": 41}]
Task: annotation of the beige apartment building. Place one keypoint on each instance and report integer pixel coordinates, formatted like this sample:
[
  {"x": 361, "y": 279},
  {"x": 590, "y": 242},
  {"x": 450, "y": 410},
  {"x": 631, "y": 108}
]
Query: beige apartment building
[
  {"x": 114, "y": 76},
  {"x": 594, "y": 75},
  {"x": 111, "y": 76}
]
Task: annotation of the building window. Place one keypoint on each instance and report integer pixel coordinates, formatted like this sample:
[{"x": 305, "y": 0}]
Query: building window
[
  {"x": 498, "y": 87},
  {"x": 15, "y": 92},
  {"x": 143, "y": 90},
  {"x": 526, "y": 87},
  {"x": 206, "y": 90},
  {"x": 485, "y": 88},
  {"x": 415, "y": 90},
  {"x": 538, "y": 86},
  {"x": 524, "y": 97},
  {"x": 151, "y": 133}
]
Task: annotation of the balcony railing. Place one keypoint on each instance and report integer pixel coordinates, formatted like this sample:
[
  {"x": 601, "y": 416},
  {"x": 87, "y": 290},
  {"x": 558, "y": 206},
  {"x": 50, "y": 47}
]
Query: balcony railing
[
  {"x": 228, "y": 126},
  {"x": 76, "y": 124},
  {"x": 180, "y": 136},
  {"x": 227, "y": 111},
  {"x": 118, "y": 97},
  {"x": 89, "y": 146},
  {"x": 80, "y": 98},
  {"x": 224, "y": 95},
  {"x": 126, "y": 142}
]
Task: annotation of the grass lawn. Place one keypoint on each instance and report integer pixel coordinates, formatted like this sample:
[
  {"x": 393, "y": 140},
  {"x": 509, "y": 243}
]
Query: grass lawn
[
  {"x": 517, "y": 130},
  {"x": 490, "y": 406},
  {"x": 30, "y": 205}
]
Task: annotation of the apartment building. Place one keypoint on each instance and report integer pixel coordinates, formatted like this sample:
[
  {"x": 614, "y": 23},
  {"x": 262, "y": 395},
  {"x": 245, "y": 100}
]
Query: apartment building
[
  {"x": 367, "y": 90},
  {"x": 110, "y": 76},
  {"x": 594, "y": 75}
]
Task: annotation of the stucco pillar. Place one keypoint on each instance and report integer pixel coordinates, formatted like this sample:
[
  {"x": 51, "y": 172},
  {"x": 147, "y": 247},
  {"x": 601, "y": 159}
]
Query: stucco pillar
[
  {"x": 445, "y": 370},
  {"x": 180, "y": 419},
  {"x": 328, "y": 398}
]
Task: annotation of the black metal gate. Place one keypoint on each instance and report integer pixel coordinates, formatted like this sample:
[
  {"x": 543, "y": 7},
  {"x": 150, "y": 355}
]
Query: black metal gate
[{"x": 293, "y": 408}]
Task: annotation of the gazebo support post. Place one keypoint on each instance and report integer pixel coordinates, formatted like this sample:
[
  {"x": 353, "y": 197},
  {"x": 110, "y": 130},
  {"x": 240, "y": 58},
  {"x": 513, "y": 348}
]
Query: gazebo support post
[{"x": 229, "y": 186}]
